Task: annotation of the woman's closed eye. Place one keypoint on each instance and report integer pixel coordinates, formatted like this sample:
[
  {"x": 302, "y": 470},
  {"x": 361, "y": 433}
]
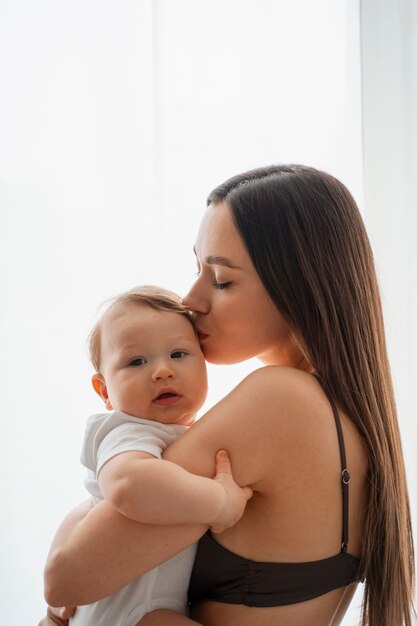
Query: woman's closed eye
[
  {"x": 140, "y": 360},
  {"x": 218, "y": 285},
  {"x": 215, "y": 283}
]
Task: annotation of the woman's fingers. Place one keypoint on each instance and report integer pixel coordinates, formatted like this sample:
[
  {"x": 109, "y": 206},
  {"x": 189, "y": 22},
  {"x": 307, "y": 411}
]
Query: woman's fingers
[
  {"x": 65, "y": 612},
  {"x": 58, "y": 615},
  {"x": 52, "y": 620}
]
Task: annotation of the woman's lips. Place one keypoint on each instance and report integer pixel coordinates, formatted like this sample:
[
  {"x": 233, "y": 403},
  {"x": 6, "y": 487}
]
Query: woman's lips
[{"x": 201, "y": 335}]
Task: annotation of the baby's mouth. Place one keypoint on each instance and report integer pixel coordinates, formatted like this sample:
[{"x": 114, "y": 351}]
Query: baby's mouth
[{"x": 167, "y": 398}]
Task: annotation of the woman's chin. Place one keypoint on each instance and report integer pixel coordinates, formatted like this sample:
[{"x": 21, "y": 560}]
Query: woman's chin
[{"x": 218, "y": 358}]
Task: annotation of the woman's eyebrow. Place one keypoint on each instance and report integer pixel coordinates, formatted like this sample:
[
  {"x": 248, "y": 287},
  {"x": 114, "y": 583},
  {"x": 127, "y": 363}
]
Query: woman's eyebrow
[{"x": 220, "y": 260}]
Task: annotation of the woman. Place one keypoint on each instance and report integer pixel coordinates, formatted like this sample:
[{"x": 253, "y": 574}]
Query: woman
[{"x": 286, "y": 274}]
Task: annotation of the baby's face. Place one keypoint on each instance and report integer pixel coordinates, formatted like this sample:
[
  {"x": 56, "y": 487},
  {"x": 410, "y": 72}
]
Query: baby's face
[{"x": 152, "y": 364}]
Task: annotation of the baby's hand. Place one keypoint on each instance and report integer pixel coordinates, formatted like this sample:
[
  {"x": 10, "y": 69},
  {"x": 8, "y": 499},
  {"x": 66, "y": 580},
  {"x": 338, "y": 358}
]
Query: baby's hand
[{"x": 236, "y": 497}]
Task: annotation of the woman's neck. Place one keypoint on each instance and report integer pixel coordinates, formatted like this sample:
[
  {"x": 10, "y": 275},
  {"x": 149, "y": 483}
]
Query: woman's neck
[{"x": 289, "y": 355}]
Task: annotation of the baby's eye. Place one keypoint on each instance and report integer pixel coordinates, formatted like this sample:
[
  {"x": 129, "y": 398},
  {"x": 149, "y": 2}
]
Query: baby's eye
[
  {"x": 178, "y": 354},
  {"x": 139, "y": 361}
]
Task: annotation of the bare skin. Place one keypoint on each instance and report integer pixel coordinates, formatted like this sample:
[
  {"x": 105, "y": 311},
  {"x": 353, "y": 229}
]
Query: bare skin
[
  {"x": 278, "y": 428},
  {"x": 160, "y": 617},
  {"x": 166, "y": 618}
]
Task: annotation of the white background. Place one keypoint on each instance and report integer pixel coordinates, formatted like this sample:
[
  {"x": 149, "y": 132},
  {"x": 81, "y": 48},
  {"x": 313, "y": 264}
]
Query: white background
[{"x": 116, "y": 120}]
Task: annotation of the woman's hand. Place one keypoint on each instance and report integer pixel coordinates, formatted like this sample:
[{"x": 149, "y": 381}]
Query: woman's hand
[
  {"x": 59, "y": 616},
  {"x": 236, "y": 496}
]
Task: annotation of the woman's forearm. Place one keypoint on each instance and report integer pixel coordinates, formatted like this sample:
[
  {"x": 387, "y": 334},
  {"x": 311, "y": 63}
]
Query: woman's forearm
[{"x": 98, "y": 551}]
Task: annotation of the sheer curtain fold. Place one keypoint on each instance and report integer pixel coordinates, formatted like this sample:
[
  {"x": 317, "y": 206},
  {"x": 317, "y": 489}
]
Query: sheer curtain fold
[{"x": 389, "y": 110}]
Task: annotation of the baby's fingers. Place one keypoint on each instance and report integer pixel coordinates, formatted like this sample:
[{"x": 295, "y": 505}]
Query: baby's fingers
[
  {"x": 247, "y": 492},
  {"x": 223, "y": 465}
]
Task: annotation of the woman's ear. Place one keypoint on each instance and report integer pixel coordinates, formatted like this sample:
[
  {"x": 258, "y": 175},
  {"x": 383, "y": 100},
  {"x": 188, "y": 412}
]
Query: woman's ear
[{"x": 100, "y": 388}]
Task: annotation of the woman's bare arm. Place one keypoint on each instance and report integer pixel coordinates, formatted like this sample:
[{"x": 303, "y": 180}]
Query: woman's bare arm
[
  {"x": 122, "y": 541},
  {"x": 97, "y": 551},
  {"x": 94, "y": 556}
]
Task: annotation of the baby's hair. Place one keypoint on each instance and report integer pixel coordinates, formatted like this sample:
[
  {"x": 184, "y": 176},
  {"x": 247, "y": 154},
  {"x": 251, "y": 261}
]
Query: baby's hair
[{"x": 155, "y": 297}]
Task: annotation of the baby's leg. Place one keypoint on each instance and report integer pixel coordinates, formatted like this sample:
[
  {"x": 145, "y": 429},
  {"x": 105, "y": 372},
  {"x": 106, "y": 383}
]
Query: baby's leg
[{"x": 164, "y": 617}]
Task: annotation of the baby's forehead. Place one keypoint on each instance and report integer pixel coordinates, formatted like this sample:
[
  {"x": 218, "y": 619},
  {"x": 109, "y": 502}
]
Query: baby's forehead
[
  {"x": 124, "y": 316},
  {"x": 120, "y": 313},
  {"x": 121, "y": 309}
]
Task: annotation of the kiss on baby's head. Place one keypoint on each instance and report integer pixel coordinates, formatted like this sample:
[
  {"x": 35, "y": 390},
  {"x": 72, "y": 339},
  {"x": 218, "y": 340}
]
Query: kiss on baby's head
[
  {"x": 147, "y": 357},
  {"x": 156, "y": 298}
]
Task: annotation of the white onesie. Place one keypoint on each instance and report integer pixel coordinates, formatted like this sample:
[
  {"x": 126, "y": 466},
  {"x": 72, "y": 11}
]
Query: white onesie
[{"x": 165, "y": 587}]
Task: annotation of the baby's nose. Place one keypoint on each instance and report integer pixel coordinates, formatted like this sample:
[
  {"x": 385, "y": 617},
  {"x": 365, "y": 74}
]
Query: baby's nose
[{"x": 163, "y": 370}]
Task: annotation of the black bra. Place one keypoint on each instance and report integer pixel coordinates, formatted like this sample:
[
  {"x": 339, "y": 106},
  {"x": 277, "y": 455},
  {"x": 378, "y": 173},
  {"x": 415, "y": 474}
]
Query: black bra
[{"x": 223, "y": 576}]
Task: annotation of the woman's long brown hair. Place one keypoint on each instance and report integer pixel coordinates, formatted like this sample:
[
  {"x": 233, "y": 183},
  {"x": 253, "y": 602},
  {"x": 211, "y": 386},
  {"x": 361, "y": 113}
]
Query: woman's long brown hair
[{"x": 308, "y": 243}]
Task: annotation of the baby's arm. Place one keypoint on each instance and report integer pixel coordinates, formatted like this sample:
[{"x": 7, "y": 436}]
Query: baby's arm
[{"x": 155, "y": 491}]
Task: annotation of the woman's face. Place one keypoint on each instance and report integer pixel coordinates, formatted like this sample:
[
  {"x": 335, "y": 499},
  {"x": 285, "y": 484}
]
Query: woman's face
[{"x": 235, "y": 317}]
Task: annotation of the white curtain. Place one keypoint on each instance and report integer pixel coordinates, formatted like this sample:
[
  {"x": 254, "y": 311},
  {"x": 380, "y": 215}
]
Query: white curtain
[
  {"x": 116, "y": 120},
  {"x": 389, "y": 110}
]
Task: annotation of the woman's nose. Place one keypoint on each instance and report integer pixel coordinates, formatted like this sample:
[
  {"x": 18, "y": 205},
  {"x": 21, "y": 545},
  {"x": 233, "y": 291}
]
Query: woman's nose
[
  {"x": 163, "y": 370},
  {"x": 195, "y": 299}
]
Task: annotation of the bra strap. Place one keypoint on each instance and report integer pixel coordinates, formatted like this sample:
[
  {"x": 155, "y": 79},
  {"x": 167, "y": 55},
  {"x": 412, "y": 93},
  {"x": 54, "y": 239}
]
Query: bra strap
[{"x": 345, "y": 479}]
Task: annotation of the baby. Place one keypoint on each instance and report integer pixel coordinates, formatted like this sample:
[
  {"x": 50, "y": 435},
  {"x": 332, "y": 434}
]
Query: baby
[{"x": 151, "y": 375}]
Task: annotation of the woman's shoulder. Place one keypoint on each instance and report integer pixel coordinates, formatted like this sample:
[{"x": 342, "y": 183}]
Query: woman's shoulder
[
  {"x": 274, "y": 399},
  {"x": 298, "y": 423},
  {"x": 280, "y": 377},
  {"x": 271, "y": 414},
  {"x": 284, "y": 393}
]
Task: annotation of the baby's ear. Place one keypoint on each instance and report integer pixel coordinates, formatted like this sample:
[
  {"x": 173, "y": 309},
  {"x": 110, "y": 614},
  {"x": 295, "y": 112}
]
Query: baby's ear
[{"x": 100, "y": 388}]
